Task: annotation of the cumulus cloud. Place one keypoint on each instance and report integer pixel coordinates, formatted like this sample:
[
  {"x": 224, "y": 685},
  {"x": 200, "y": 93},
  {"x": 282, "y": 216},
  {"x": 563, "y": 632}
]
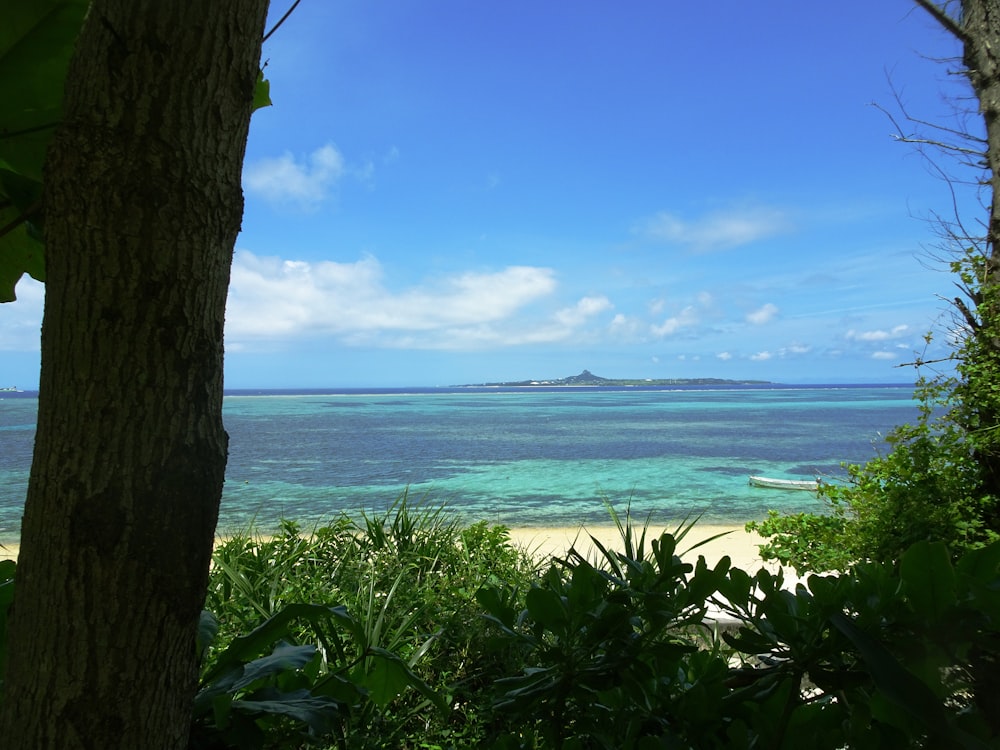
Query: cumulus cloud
[
  {"x": 724, "y": 356},
  {"x": 684, "y": 319},
  {"x": 883, "y": 355},
  {"x": 625, "y": 327},
  {"x": 762, "y": 315},
  {"x": 584, "y": 309},
  {"x": 761, "y": 356},
  {"x": 271, "y": 298},
  {"x": 716, "y": 231},
  {"x": 305, "y": 182}
]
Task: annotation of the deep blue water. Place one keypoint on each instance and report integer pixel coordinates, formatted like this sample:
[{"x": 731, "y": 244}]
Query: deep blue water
[{"x": 523, "y": 457}]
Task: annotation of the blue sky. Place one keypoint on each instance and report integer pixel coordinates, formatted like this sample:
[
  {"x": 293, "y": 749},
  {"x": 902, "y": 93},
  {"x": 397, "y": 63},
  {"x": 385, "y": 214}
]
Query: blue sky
[{"x": 450, "y": 192}]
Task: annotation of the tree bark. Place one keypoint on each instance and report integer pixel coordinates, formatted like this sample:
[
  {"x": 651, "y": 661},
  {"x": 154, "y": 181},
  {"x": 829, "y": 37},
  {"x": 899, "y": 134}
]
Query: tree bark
[
  {"x": 143, "y": 205},
  {"x": 977, "y": 26}
]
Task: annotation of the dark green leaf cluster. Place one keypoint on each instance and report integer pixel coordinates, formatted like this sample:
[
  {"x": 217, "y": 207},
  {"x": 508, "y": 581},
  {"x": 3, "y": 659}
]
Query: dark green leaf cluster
[
  {"x": 36, "y": 41},
  {"x": 395, "y": 632},
  {"x": 635, "y": 648},
  {"x": 37, "y": 38}
]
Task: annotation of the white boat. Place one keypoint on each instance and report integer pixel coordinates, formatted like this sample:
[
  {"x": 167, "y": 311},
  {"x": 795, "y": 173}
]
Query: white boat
[{"x": 785, "y": 484}]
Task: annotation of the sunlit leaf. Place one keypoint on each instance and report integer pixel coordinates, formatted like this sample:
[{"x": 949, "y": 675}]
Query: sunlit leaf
[{"x": 261, "y": 92}]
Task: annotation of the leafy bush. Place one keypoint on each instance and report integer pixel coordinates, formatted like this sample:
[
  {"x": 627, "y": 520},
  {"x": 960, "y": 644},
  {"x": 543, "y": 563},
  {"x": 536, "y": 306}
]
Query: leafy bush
[
  {"x": 929, "y": 486},
  {"x": 407, "y": 580},
  {"x": 881, "y": 657},
  {"x": 634, "y": 648}
]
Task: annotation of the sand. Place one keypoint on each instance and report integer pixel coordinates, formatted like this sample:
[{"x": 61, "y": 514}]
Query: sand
[{"x": 732, "y": 540}]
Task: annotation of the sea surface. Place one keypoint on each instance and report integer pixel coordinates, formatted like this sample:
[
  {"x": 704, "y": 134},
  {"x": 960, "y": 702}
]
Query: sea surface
[{"x": 522, "y": 457}]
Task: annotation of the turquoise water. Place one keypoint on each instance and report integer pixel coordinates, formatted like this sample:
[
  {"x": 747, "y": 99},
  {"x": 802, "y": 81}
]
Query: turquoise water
[{"x": 521, "y": 457}]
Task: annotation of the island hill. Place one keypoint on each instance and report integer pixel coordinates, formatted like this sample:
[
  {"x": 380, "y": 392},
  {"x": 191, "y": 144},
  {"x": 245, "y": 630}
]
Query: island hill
[{"x": 588, "y": 378}]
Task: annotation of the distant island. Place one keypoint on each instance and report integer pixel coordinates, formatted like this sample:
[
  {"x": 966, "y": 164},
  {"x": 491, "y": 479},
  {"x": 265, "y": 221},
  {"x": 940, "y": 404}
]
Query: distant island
[{"x": 588, "y": 378}]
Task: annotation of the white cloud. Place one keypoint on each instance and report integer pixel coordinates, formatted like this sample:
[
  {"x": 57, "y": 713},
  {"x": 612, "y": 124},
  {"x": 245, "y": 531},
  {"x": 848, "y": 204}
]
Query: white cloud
[
  {"x": 761, "y": 356},
  {"x": 271, "y": 298},
  {"x": 883, "y": 355},
  {"x": 21, "y": 320},
  {"x": 584, "y": 309},
  {"x": 878, "y": 335},
  {"x": 795, "y": 349},
  {"x": 717, "y": 231},
  {"x": 305, "y": 182},
  {"x": 762, "y": 315},
  {"x": 724, "y": 356},
  {"x": 684, "y": 319},
  {"x": 623, "y": 327}
]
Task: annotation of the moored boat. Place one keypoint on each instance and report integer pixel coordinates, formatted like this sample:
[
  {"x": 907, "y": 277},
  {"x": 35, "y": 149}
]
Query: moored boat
[{"x": 784, "y": 484}]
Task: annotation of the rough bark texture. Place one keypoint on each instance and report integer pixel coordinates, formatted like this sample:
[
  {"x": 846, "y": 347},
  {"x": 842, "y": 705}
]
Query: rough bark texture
[
  {"x": 143, "y": 204},
  {"x": 979, "y": 26},
  {"x": 980, "y": 36},
  {"x": 976, "y": 24}
]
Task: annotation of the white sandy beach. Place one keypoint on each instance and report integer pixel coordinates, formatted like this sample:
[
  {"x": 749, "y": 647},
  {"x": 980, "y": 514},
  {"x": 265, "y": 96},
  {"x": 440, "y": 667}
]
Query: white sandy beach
[{"x": 733, "y": 540}]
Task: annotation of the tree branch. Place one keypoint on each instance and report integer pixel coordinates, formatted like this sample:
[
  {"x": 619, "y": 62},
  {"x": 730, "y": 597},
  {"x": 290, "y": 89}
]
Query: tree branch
[
  {"x": 281, "y": 21},
  {"x": 33, "y": 209},
  {"x": 950, "y": 24}
]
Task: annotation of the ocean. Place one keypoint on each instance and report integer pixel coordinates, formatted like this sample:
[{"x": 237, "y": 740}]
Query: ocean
[{"x": 518, "y": 456}]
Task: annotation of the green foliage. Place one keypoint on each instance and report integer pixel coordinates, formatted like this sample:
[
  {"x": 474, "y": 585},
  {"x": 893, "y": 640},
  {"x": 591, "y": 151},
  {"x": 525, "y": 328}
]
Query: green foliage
[
  {"x": 806, "y": 541},
  {"x": 36, "y": 43},
  {"x": 929, "y": 486},
  {"x": 411, "y": 636},
  {"x": 634, "y": 648},
  {"x": 260, "y": 686},
  {"x": 940, "y": 479},
  {"x": 877, "y": 658},
  {"x": 611, "y": 651}
]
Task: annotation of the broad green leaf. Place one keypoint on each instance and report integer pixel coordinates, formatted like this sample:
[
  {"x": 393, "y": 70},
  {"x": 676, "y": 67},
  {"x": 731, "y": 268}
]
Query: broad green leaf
[
  {"x": 389, "y": 676},
  {"x": 981, "y": 565},
  {"x": 546, "y": 607},
  {"x": 901, "y": 686},
  {"x": 316, "y": 711},
  {"x": 386, "y": 679},
  {"x": 208, "y": 629},
  {"x": 929, "y": 579},
  {"x": 20, "y": 253},
  {"x": 36, "y": 42},
  {"x": 261, "y": 639},
  {"x": 284, "y": 658}
]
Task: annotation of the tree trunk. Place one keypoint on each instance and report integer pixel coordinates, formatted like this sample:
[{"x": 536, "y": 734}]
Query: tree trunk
[
  {"x": 979, "y": 32},
  {"x": 143, "y": 205}
]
